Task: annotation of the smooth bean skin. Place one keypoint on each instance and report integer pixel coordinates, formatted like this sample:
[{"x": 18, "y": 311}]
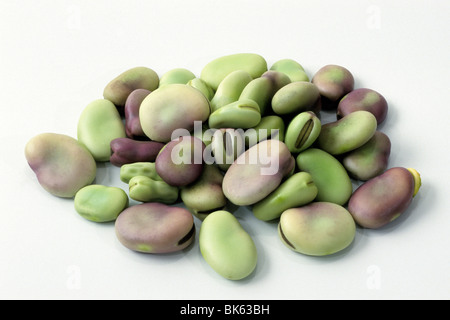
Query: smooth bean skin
[
  {"x": 155, "y": 228},
  {"x": 180, "y": 162},
  {"x": 297, "y": 190},
  {"x": 172, "y": 107},
  {"x": 382, "y": 199},
  {"x": 291, "y": 68},
  {"x": 204, "y": 88},
  {"x": 118, "y": 89},
  {"x": 333, "y": 82},
  {"x": 216, "y": 70},
  {"x": 296, "y": 97},
  {"x": 62, "y": 165},
  {"x": 239, "y": 114},
  {"x": 226, "y": 145},
  {"x": 133, "y": 127},
  {"x": 257, "y": 172},
  {"x": 369, "y": 160},
  {"x": 317, "y": 229},
  {"x": 98, "y": 125},
  {"x": 99, "y": 203},
  {"x": 177, "y": 75},
  {"x": 347, "y": 133},
  {"x": 329, "y": 175},
  {"x": 363, "y": 99},
  {"x": 226, "y": 246},
  {"x": 270, "y": 127},
  {"x": 145, "y": 189},
  {"x": 302, "y": 131},
  {"x": 230, "y": 89},
  {"x": 148, "y": 169},
  {"x": 205, "y": 195},
  {"x": 126, "y": 150}
]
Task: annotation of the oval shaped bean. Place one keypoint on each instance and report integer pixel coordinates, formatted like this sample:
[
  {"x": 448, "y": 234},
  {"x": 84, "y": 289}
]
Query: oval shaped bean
[
  {"x": 270, "y": 127},
  {"x": 363, "y": 99},
  {"x": 348, "y": 133},
  {"x": 226, "y": 246},
  {"x": 369, "y": 160},
  {"x": 257, "y": 172},
  {"x": 100, "y": 203},
  {"x": 146, "y": 189},
  {"x": 205, "y": 195},
  {"x": 230, "y": 88},
  {"x": 201, "y": 85},
  {"x": 126, "y": 150},
  {"x": 296, "y": 97},
  {"x": 133, "y": 127},
  {"x": 98, "y": 125},
  {"x": 118, "y": 89},
  {"x": 180, "y": 162},
  {"x": 155, "y": 228},
  {"x": 226, "y": 146},
  {"x": 216, "y": 70},
  {"x": 317, "y": 229},
  {"x": 148, "y": 169},
  {"x": 297, "y": 190},
  {"x": 239, "y": 114},
  {"x": 62, "y": 165},
  {"x": 291, "y": 68},
  {"x": 329, "y": 175},
  {"x": 333, "y": 82},
  {"x": 302, "y": 131},
  {"x": 172, "y": 107},
  {"x": 177, "y": 75},
  {"x": 382, "y": 199}
]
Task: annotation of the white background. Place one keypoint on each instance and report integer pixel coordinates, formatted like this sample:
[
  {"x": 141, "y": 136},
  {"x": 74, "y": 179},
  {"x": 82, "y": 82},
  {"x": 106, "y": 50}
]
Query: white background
[{"x": 57, "y": 56}]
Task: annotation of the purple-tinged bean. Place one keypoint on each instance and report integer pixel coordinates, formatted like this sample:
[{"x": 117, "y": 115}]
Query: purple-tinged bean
[
  {"x": 133, "y": 126},
  {"x": 126, "y": 150}
]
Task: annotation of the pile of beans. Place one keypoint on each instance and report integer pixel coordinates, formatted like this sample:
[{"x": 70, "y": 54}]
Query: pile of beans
[{"x": 239, "y": 134}]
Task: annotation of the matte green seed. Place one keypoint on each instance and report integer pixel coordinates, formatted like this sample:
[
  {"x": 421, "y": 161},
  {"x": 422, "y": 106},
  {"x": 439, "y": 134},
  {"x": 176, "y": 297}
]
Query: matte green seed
[
  {"x": 148, "y": 169},
  {"x": 100, "y": 203},
  {"x": 329, "y": 175},
  {"x": 230, "y": 89},
  {"x": 239, "y": 114},
  {"x": 296, "y": 97},
  {"x": 270, "y": 127},
  {"x": 226, "y": 146},
  {"x": 177, "y": 75},
  {"x": 348, "y": 133},
  {"x": 98, "y": 125},
  {"x": 298, "y": 190},
  {"x": 226, "y": 246},
  {"x": 259, "y": 90},
  {"x": 145, "y": 189},
  {"x": 201, "y": 85},
  {"x": 302, "y": 131},
  {"x": 291, "y": 68},
  {"x": 216, "y": 70}
]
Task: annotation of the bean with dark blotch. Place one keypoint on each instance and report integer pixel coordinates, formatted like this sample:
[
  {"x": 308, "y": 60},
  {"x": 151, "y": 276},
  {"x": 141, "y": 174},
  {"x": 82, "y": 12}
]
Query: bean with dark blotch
[
  {"x": 270, "y": 127},
  {"x": 226, "y": 246},
  {"x": 384, "y": 198},
  {"x": 297, "y": 190},
  {"x": 62, "y": 164},
  {"x": 230, "y": 89},
  {"x": 177, "y": 75},
  {"x": 155, "y": 228},
  {"x": 333, "y": 82},
  {"x": 329, "y": 175},
  {"x": 369, "y": 160},
  {"x": 146, "y": 189},
  {"x": 205, "y": 195},
  {"x": 239, "y": 114},
  {"x": 98, "y": 125},
  {"x": 363, "y": 99},
  {"x": 216, "y": 70},
  {"x": 126, "y": 150},
  {"x": 133, "y": 127},
  {"x": 118, "y": 89},
  {"x": 291, "y": 68},
  {"x": 347, "y": 133},
  {"x": 180, "y": 162},
  {"x": 172, "y": 107},
  {"x": 302, "y": 131},
  {"x": 128, "y": 171},
  {"x": 317, "y": 229},
  {"x": 296, "y": 97},
  {"x": 257, "y": 172},
  {"x": 100, "y": 203},
  {"x": 226, "y": 145}
]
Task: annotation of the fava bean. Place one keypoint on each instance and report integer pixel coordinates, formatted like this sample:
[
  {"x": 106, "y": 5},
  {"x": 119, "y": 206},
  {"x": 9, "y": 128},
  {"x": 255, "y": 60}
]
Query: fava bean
[
  {"x": 302, "y": 131},
  {"x": 148, "y": 169},
  {"x": 239, "y": 114},
  {"x": 177, "y": 75},
  {"x": 230, "y": 88},
  {"x": 145, "y": 189},
  {"x": 291, "y": 68},
  {"x": 126, "y": 150},
  {"x": 296, "y": 97},
  {"x": 201, "y": 85},
  {"x": 133, "y": 127}
]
